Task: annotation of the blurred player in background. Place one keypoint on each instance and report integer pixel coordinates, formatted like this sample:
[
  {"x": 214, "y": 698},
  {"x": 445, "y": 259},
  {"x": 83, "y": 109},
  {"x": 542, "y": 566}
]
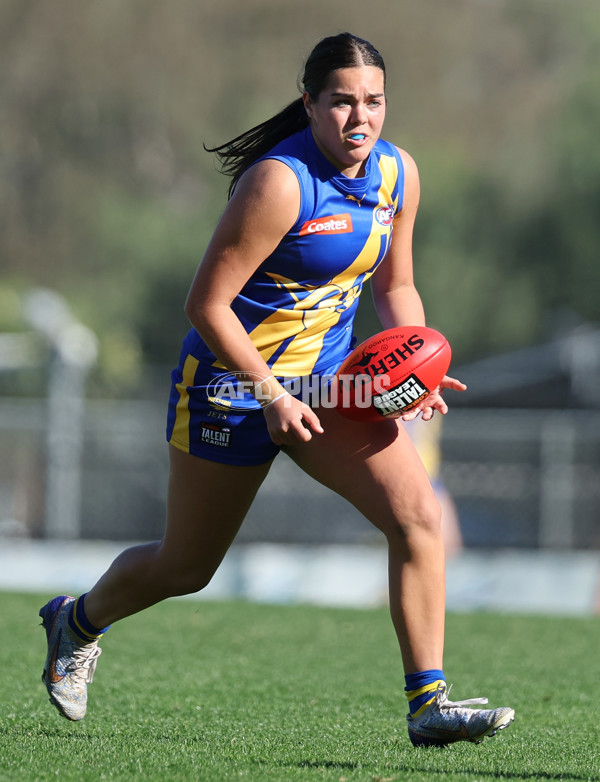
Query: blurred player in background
[
  {"x": 427, "y": 437},
  {"x": 314, "y": 199}
]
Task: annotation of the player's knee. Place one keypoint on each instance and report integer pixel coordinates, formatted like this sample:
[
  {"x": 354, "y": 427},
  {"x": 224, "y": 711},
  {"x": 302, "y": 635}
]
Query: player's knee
[
  {"x": 182, "y": 578},
  {"x": 187, "y": 582},
  {"x": 421, "y": 517}
]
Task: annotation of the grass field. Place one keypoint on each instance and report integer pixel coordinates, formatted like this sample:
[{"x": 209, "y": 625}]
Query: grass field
[{"x": 223, "y": 691}]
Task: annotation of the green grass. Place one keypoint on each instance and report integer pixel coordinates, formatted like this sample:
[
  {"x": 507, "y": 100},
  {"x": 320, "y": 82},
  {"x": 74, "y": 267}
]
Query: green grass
[{"x": 223, "y": 691}]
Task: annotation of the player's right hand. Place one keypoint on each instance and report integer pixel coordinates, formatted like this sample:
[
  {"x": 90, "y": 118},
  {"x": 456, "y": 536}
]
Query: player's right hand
[{"x": 290, "y": 421}]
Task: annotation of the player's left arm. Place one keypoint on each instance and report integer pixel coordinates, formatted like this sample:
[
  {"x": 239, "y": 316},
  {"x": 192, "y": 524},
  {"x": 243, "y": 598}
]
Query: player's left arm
[{"x": 397, "y": 300}]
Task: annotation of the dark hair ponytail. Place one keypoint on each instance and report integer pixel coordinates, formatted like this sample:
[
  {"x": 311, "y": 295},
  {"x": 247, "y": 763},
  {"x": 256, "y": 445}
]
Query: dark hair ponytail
[
  {"x": 239, "y": 153},
  {"x": 338, "y": 51}
]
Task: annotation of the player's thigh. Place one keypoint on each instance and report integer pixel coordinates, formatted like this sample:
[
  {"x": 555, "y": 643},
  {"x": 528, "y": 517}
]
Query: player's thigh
[
  {"x": 373, "y": 465},
  {"x": 207, "y": 503}
]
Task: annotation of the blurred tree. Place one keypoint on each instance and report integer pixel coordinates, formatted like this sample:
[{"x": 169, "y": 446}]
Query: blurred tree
[{"x": 108, "y": 196}]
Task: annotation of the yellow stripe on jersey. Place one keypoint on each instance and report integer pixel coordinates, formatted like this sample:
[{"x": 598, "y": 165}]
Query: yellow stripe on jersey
[
  {"x": 181, "y": 430},
  {"x": 311, "y": 317}
]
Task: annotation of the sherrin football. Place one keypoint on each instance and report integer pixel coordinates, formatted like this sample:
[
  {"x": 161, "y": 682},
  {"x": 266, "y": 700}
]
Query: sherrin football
[{"x": 391, "y": 373}]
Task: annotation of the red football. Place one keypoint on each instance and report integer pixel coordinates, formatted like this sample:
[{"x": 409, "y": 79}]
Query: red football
[{"x": 391, "y": 373}]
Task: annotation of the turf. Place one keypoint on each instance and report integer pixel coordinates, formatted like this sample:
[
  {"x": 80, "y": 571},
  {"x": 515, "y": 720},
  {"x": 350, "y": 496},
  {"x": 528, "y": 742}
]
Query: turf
[{"x": 222, "y": 691}]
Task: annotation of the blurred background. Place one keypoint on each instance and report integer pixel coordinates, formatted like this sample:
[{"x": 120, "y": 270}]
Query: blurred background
[{"x": 109, "y": 199}]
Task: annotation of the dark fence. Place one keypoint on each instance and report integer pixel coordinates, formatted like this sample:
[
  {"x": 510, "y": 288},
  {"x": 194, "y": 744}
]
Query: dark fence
[{"x": 519, "y": 479}]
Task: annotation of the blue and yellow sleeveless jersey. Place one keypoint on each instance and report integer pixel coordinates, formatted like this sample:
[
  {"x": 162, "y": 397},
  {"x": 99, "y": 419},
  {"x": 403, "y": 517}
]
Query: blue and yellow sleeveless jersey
[{"x": 299, "y": 306}]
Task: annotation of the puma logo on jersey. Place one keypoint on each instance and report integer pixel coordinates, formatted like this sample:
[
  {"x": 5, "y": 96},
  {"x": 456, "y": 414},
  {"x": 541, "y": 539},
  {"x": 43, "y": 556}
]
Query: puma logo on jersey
[
  {"x": 358, "y": 200},
  {"x": 332, "y": 224}
]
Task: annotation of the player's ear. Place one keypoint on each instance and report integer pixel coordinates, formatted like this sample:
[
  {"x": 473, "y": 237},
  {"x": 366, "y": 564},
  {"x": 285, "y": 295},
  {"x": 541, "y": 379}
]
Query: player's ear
[{"x": 307, "y": 100}]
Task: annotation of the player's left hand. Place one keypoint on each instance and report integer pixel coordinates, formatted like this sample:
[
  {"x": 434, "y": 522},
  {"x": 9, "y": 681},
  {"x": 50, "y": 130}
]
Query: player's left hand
[{"x": 435, "y": 401}]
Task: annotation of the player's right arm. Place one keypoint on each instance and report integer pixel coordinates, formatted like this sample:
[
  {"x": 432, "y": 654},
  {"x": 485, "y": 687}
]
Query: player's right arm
[{"x": 262, "y": 210}]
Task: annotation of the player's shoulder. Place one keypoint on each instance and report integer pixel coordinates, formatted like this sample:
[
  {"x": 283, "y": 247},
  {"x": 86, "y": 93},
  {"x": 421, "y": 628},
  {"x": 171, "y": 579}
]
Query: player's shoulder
[
  {"x": 266, "y": 197},
  {"x": 387, "y": 147},
  {"x": 408, "y": 161},
  {"x": 268, "y": 177},
  {"x": 282, "y": 166},
  {"x": 404, "y": 159}
]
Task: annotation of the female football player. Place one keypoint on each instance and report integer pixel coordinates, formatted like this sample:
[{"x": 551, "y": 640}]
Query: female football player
[{"x": 319, "y": 203}]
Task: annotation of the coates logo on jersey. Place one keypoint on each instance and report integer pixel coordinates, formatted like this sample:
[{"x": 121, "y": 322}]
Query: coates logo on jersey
[
  {"x": 385, "y": 214},
  {"x": 333, "y": 224}
]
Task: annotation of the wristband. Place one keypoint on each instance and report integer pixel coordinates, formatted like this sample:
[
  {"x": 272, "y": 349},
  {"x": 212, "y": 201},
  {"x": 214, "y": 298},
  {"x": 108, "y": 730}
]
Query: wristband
[
  {"x": 267, "y": 391},
  {"x": 268, "y": 404}
]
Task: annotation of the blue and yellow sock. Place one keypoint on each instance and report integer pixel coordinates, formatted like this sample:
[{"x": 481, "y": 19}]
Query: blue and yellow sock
[
  {"x": 421, "y": 688},
  {"x": 80, "y": 624}
]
